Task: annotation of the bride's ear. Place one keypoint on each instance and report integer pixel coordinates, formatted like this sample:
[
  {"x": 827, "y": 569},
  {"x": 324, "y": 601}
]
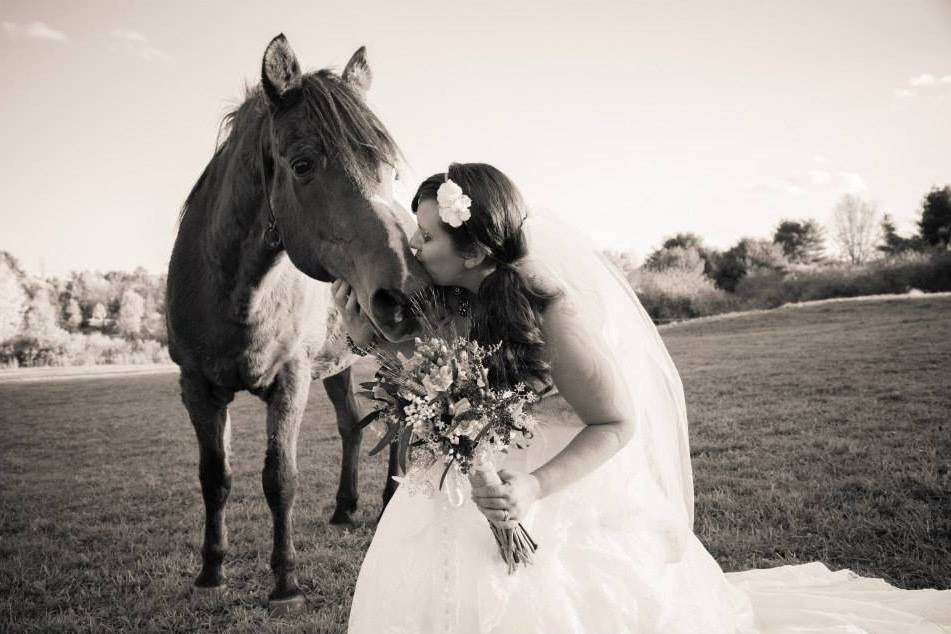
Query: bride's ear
[{"x": 475, "y": 258}]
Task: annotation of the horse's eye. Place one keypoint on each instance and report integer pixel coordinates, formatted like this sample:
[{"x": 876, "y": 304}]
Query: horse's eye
[{"x": 302, "y": 166}]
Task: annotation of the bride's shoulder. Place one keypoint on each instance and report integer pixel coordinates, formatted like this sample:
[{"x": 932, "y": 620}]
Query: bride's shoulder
[
  {"x": 542, "y": 278},
  {"x": 547, "y": 283},
  {"x": 560, "y": 316}
]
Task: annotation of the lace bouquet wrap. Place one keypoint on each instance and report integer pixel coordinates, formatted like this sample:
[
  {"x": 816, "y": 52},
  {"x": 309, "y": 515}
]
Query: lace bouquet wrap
[{"x": 438, "y": 407}]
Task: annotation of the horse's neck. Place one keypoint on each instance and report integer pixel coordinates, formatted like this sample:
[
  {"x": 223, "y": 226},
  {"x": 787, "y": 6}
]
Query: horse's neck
[
  {"x": 236, "y": 251},
  {"x": 254, "y": 264}
]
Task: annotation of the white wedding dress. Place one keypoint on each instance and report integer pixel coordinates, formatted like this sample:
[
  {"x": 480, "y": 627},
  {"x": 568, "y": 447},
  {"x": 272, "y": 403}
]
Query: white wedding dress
[{"x": 617, "y": 552}]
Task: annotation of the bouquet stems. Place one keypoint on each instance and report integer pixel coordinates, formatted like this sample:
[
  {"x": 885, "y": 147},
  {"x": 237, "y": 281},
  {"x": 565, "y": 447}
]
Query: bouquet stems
[{"x": 515, "y": 544}]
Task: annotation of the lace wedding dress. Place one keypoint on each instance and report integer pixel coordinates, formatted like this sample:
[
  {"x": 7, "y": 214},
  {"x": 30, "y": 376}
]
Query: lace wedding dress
[{"x": 617, "y": 552}]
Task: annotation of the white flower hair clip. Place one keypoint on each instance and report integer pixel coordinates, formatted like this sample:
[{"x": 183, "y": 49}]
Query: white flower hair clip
[{"x": 453, "y": 204}]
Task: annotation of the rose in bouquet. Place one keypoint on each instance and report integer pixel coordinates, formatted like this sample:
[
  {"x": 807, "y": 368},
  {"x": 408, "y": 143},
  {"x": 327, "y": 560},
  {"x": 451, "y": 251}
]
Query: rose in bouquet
[{"x": 438, "y": 407}]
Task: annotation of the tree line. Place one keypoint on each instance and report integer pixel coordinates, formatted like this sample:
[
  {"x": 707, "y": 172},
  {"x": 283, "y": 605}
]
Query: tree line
[
  {"x": 685, "y": 278},
  {"x": 859, "y": 232},
  {"x": 84, "y": 317},
  {"x": 119, "y": 317}
]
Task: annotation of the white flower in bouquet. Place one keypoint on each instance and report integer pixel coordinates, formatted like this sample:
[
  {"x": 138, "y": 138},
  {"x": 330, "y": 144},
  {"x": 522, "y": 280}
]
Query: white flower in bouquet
[{"x": 438, "y": 380}]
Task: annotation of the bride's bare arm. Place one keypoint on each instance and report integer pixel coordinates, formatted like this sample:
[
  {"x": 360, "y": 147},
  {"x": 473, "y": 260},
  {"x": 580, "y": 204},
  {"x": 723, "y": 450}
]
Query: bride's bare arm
[{"x": 583, "y": 371}]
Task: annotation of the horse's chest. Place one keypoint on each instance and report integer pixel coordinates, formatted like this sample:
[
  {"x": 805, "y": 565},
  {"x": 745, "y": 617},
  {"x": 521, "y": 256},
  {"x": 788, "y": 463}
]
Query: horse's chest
[{"x": 287, "y": 316}]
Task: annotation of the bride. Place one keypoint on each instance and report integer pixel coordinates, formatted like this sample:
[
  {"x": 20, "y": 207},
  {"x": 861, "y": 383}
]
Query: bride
[{"x": 605, "y": 487}]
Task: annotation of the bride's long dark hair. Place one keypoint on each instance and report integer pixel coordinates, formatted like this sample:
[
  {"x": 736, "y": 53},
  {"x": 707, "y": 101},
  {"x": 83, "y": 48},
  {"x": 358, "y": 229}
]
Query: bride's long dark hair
[{"x": 509, "y": 305}]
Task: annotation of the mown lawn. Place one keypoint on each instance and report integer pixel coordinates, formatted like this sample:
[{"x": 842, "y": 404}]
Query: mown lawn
[{"x": 817, "y": 433}]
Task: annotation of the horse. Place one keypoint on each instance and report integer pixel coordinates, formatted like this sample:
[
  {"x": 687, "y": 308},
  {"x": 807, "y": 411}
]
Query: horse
[{"x": 290, "y": 201}]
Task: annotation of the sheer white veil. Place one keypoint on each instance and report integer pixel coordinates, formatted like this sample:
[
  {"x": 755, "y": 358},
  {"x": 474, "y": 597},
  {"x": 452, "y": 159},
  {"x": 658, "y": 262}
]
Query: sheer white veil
[{"x": 643, "y": 367}]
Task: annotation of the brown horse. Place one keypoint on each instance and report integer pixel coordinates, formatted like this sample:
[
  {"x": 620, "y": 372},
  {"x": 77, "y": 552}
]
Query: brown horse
[{"x": 289, "y": 201}]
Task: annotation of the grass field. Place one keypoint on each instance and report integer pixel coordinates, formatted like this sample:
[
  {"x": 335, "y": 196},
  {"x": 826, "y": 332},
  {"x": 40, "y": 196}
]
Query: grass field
[{"x": 818, "y": 433}]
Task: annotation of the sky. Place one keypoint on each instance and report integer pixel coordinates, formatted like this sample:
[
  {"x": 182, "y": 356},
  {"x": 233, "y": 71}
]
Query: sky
[{"x": 632, "y": 120}]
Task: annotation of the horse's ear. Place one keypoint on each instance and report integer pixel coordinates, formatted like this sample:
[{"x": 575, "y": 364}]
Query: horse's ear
[
  {"x": 357, "y": 72},
  {"x": 280, "y": 72}
]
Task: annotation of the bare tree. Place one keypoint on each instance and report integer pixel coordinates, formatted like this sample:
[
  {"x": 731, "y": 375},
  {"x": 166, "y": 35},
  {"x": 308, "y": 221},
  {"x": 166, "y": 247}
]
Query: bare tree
[{"x": 857, "y": 228}]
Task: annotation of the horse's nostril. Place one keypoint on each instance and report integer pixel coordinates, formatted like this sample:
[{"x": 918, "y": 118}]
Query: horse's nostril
[
  {"x": 387, "y": 305},
  {"x": 393, "y": 312}
]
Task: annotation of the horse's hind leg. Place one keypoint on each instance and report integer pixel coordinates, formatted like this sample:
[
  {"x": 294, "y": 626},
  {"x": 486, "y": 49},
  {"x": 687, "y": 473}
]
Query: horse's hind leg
[
  {"x": 285, "y": 407},
  {"x": 392, "y": 469},
  {"x": 208, "y": 409},
  {"x": 340, "y": 390}
]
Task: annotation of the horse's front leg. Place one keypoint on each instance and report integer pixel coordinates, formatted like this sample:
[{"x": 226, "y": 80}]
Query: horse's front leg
[
  {"x": 208, "y": 409},
  {"x": 285, "y": 407},
  {"x": 340, "y": 391}
]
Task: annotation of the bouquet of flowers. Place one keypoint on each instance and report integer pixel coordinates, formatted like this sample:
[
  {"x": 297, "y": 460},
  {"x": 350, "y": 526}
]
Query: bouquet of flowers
[{"x": 437, "y": 406}]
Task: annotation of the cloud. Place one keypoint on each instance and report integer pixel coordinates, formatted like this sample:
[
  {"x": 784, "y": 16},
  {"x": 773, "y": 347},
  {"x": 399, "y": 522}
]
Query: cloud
[
  {"x": 129, "y": 36},
  {"x": 138, "y": 44},
  {"x": 35, "y": 30},
  {"x": 924, "y": 79},
  {"x": 787, "y": 186},
  {"x": 925, "y": 83},
  {"x": 814, "y": 181},
  {"x": 851, "y": 183}
]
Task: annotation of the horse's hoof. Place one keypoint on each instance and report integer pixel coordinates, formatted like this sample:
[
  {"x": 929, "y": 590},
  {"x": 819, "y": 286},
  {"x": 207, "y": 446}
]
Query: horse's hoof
[
  {"x": 341, "y": 518},
  {"x": 209, "y": 595},
  {"x": 286, "y": 606}
]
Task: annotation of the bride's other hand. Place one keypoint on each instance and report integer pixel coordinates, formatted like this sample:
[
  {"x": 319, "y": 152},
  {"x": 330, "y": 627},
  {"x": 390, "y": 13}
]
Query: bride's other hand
[
  {"x": 510, "y": 500},
  {"x": 354, "y": 321}
]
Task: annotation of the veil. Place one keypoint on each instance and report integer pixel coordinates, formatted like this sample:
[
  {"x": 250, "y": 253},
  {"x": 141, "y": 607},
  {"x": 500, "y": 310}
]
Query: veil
[{"x": 642, "y": 366}]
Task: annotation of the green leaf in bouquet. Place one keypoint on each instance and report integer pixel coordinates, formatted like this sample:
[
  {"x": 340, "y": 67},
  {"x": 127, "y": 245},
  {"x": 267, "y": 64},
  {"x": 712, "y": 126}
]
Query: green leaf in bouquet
[
  {"x": 402, "y": 447},
  {"x": 380, "y": 394},
  {"x": 391, "y": 430},
  {"x": 368, "y": 385},
  {"x": 366, "y": 394},
  {"x": 446, "y": 472},
  {"x": 369, "y": 418}
]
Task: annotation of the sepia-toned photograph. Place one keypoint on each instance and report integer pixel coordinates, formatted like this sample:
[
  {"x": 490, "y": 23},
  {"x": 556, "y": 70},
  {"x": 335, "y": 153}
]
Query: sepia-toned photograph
[{"x": 487, "y": 317}]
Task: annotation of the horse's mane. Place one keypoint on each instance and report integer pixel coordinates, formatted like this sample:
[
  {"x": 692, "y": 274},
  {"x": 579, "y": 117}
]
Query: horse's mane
[{"x": 347, "y": 129}]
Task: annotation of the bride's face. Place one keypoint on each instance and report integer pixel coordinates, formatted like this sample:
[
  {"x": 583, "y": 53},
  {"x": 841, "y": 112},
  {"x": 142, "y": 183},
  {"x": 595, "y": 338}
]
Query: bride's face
[{"x": 434, "y": 247}]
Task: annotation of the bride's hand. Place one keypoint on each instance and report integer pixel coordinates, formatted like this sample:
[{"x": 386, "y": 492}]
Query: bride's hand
[
  {"x": 510, "y": 500},
  {"x": 354, "y": 321}
]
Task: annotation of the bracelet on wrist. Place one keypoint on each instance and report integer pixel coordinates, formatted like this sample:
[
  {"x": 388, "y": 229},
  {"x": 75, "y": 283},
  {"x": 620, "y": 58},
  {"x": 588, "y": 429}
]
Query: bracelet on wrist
[{"x": 354, "y": 348}]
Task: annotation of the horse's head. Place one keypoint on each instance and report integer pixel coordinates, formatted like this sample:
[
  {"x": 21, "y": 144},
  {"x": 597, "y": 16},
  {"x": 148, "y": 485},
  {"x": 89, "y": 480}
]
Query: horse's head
[{"x": 328, "y": 164}]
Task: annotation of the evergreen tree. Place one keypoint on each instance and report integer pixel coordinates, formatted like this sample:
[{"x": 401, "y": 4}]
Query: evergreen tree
[
  {"x": 802, "y": 241},
  {"x": 935, "y": 223},
  {"x": 892, "y": 243}
]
